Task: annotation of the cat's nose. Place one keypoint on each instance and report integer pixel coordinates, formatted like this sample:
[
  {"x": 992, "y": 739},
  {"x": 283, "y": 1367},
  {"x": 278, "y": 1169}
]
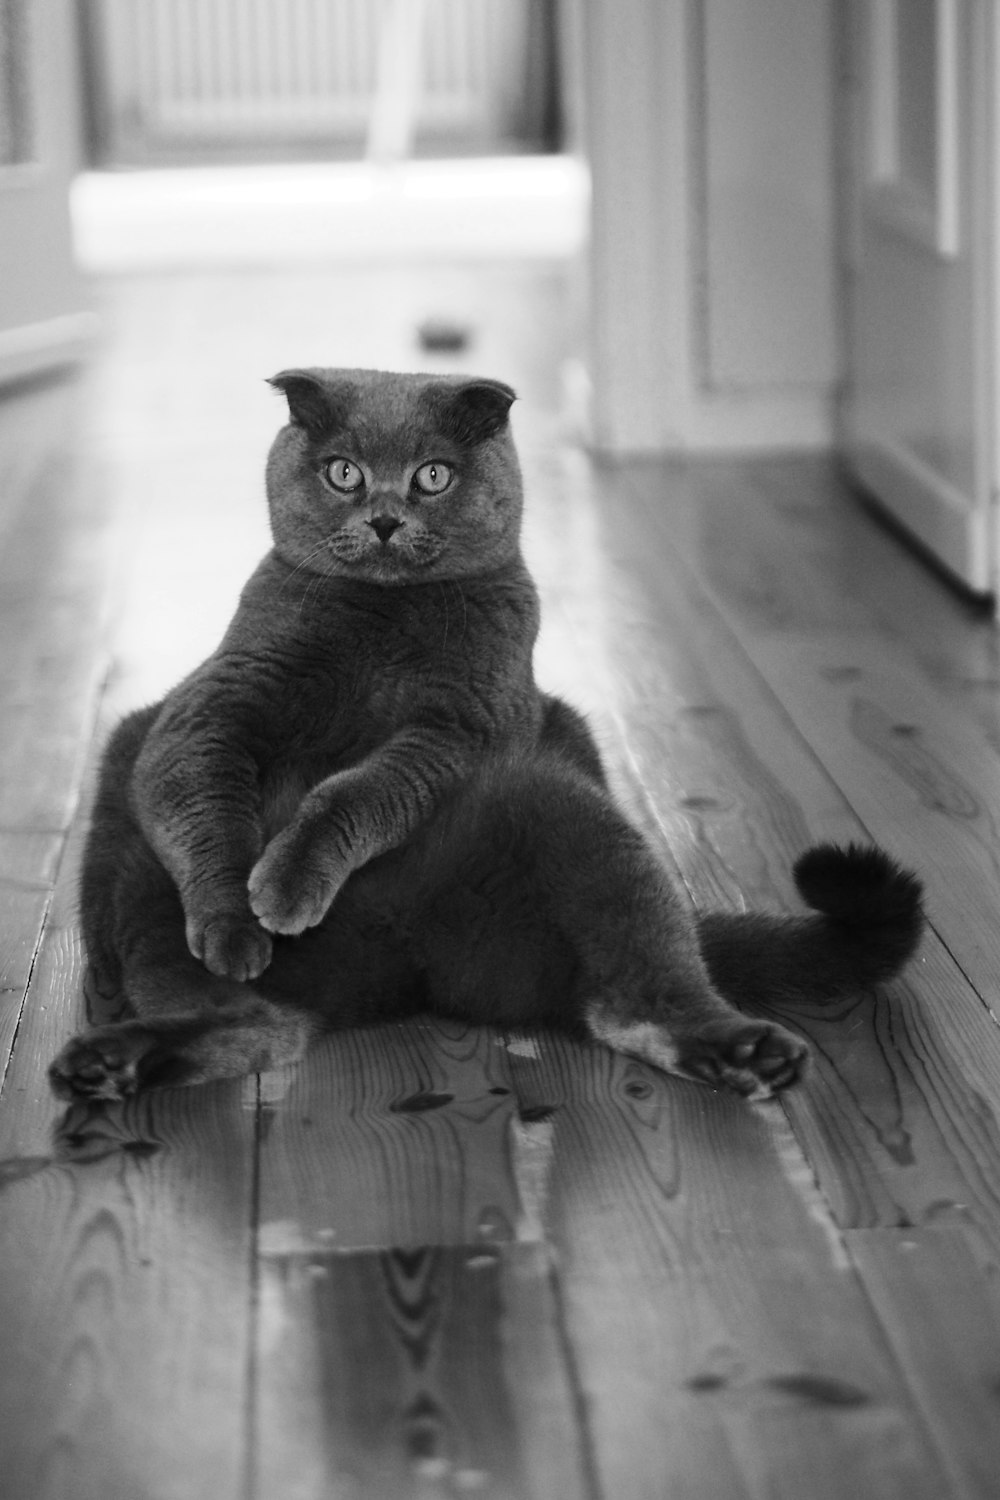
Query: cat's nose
[{"x": 384, "y": 526}]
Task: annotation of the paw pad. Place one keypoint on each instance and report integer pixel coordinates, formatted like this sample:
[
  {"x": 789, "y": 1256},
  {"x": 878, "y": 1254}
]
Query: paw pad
[{"x": 95, "y": 1067}]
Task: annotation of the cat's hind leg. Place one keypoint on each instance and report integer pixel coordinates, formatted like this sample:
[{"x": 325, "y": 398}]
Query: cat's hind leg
[
  {"x": 199, "y": 1038},
  {"x": 249, "y": 1034},
  {"x": 643, "y": 988},
  {"x": 558, "y": 912},
  {"x": 753, "y": 1057},
  {"x": 186, "y": 1025}
]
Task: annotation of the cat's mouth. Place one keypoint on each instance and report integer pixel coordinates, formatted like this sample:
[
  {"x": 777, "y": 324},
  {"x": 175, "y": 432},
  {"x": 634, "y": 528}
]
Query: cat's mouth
[{"x": 389, "y": 554}]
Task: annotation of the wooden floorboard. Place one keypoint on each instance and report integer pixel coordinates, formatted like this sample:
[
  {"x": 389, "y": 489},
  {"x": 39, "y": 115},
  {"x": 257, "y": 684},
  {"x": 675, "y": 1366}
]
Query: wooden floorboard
[
  {"x": 925, "y": 1288},
  {"x": 126, "y": 1285},
  {"x": 397, "y": 1214},
  {"x": 54, "y": 546},
  {"x": 899, "y": 1109},
  {"x": 899, "y": 1119},
  {"x": 723, "y": 1344},
  {"x": 439, "y": 1261},
  {"x": 842, "y": 541}
]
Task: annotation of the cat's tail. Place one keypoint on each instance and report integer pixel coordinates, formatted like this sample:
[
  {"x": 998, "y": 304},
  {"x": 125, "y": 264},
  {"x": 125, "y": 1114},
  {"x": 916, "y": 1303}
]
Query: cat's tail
[{"x": 866, "y": 922}]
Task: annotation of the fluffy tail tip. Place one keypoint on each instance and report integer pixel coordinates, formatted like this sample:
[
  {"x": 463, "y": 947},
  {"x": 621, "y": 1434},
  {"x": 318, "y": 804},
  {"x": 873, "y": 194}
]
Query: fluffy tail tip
[{"x": 858, "y": 884}]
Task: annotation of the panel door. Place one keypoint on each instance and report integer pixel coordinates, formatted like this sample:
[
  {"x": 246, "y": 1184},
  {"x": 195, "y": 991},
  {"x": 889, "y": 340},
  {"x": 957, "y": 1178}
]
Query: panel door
[{"x": 919, "y": 416}]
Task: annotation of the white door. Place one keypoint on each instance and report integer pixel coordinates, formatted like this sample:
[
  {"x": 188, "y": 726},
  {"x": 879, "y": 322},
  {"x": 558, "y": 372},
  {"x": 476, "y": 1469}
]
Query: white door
[
  {"x": 43, "y": 314},
  {"x": 919, "y": 414}
]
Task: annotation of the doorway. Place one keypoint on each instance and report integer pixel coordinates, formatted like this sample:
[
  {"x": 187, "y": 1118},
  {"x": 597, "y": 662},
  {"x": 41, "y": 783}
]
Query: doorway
[{"x": 920, "y": 411}]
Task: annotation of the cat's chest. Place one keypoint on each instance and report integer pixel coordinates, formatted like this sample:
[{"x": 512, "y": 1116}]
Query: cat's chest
[
  {"x": 326, "y": 686},
  {"x": 350, "y": 698},
  {"x": 339, "y": 697},
  {"x": 333, "y": 713}
]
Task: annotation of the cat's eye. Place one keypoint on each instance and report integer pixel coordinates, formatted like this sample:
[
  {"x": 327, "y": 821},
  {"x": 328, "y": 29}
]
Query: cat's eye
[
  {"x": 433, "y": 478},
  {"x": 344, "y": 475}
]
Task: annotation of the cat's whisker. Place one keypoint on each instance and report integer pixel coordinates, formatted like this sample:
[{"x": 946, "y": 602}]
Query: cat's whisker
[
  {"x": 303, "y": 565},
  {"x": 317, "y": 578},
  {"x": 443, "y": 591},
  {"x": 458, "y": 589}
]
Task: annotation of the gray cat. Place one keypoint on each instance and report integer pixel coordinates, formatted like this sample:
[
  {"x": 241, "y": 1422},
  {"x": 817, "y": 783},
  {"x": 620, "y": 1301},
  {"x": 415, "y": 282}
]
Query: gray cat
[{"x": 361, "y": 806}]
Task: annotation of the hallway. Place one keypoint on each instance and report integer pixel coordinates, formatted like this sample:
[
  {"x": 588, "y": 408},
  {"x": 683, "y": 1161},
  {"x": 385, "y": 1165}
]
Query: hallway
[{"x": 444, "y": 1262}]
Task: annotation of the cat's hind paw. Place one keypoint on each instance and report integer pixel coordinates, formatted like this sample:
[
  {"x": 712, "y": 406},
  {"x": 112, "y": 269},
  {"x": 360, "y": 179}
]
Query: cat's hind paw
[
  {"x": 756, "y": 1058},
  {"x": 102, "y": 1064}
]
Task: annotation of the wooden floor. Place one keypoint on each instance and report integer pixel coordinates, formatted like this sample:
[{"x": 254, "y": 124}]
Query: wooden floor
[{"x": 441, "y": 1262}]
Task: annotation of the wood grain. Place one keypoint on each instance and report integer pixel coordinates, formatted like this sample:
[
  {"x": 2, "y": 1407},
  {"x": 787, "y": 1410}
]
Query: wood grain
[
  {"x": 441, "y": 1261},
  {"x": 394, "y": 1373},
  {"x": 918, "y": 781},
  {"x": 822, "y": 534},
  {"x": 945, "y": 1331},
  {"x": 405, "y": 1301},
  {"x": 405, "y": 1127},
  {"x": 700, "y": 746},
  {"x": 899, "y": 1117},
  {"x": 714, "y": 771},
  {"x": 900, "y": 1122},
  {"x": 53, "y": 587},
  {"x": 918, "y": 776},
  {"x": 125, "y": 1298},
  {"x": 720, "y": 1337}
]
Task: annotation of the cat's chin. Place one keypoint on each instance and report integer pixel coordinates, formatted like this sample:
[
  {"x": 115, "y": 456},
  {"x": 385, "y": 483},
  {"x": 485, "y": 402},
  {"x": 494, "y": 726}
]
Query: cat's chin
[
  {"x": 392, "y": 564},
  {"x": 386, "y": 569}
]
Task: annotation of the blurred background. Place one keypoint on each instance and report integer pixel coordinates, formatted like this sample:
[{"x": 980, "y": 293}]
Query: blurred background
[
  {"x": 677, "y": 226},
  {"x": 281, "y": 135},
  {"x": 195, "y": 194}
]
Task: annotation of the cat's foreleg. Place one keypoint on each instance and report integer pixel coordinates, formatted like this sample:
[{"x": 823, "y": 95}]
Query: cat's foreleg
[
  {"x": 197, "y": 801},
  {"x": 348, "y": 819}
]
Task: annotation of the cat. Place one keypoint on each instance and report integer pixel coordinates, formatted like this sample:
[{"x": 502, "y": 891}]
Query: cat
[{"x": 362, "y": 807}]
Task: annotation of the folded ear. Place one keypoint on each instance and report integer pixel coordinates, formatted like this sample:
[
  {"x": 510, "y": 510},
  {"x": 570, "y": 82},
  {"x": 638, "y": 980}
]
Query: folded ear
[
  {"x": 477, "y": 410},
  {"x": 311, "y": 402}
]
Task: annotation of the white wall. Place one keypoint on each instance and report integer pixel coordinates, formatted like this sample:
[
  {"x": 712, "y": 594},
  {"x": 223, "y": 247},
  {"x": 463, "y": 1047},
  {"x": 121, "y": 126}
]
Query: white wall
[{"x": 710, "y": 132}]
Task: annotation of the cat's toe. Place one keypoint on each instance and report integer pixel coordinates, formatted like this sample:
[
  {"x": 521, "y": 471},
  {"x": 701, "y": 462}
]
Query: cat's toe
[
  {"x": 100, "y": 1065},
  {"x": 756, "y": 1058}
]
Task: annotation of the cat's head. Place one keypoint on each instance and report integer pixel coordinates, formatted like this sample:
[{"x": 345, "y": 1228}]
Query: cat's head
[{"x": 394, "y": 478}]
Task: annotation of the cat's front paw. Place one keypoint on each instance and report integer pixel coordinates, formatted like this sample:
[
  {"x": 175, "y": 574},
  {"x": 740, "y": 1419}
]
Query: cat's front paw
[
  {"x": 293, "y": 884},
  {"x": 230, "y": 946}
]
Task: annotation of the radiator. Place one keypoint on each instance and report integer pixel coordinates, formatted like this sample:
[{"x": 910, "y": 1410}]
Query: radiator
[{"x": 187, "y": 70}]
